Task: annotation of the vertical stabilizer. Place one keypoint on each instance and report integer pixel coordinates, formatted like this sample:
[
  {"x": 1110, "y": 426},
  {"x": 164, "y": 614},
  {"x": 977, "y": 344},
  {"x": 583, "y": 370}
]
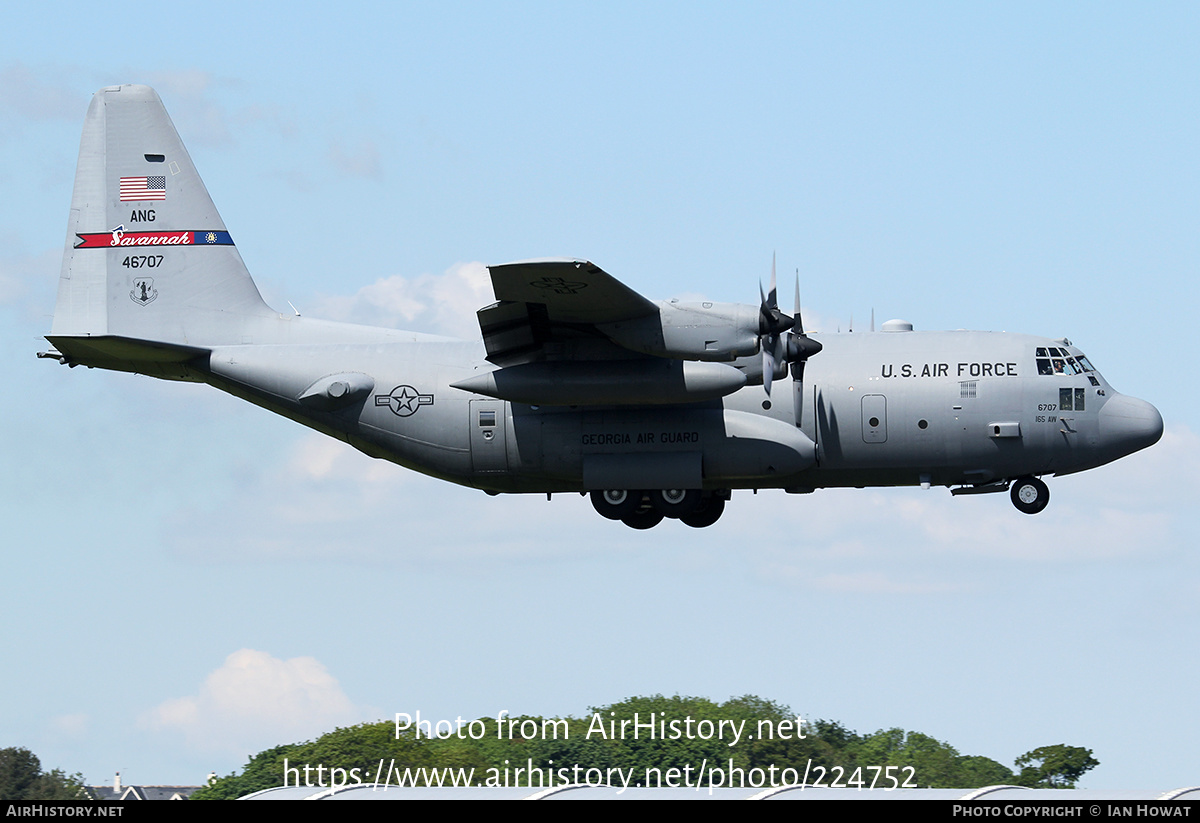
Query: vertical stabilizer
[{"x": 147, "y": 256}]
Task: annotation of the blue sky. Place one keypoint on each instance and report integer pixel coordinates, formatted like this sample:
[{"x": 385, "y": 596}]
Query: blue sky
[{"x": 189, "y": 580}]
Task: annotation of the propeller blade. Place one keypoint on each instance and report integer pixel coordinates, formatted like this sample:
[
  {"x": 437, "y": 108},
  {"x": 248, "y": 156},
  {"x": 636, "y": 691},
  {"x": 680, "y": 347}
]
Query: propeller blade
[
  {"x": 799, "y": 348},
  {"x": 771, "y": 320},
  {"x": 773, "y": 302},
  {"x": 798, "y": 393},
  {"x": 799, "y": 325},
  {"x": 768, "y": 367}
]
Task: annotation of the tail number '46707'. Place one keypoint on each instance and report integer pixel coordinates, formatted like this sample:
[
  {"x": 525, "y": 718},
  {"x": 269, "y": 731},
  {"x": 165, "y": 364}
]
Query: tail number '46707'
[{"x": 138, "y": 261}]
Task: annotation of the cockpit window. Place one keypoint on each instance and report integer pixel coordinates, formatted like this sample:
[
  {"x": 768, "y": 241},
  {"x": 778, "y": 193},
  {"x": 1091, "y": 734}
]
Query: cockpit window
[{"x": 1052, "y": 360}]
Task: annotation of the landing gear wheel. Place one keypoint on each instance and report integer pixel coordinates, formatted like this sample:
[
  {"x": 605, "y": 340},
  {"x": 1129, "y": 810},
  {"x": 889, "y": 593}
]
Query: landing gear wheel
[
  {"x": 675, "y": 502},
  {"x": 1029, "y": 495},
  {"x": 616, "y": 504},
  {"x": 644, "y": 518},
  {"x": 707, "y": 513}
]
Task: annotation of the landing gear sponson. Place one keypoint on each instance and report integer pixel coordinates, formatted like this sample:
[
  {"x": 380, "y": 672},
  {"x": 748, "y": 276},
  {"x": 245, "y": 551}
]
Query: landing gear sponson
[{"x": 645, "y": 509}]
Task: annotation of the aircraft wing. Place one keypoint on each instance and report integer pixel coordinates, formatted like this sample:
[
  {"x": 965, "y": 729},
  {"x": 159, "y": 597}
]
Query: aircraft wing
[{"x": 553, "y": 301}]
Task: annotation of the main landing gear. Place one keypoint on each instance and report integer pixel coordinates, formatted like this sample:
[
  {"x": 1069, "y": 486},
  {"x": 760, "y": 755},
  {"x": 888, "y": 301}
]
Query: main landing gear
[
  {"x": 1029, "y": 495},
  {"x": 645, "y": 509}
]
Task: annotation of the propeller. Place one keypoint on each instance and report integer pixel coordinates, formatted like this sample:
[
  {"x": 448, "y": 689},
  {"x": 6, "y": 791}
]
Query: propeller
[
  {"x": 783, "y": 338},
  {"x": 772, "y": 325},
  {"x": 800, "y": 348}
]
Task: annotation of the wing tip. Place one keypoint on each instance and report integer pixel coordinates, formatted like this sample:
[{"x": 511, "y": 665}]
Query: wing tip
[{"x": 544, "y": 261}]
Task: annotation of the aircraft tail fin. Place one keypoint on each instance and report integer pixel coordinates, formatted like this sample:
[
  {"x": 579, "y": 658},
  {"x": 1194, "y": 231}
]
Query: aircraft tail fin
[{"x": 148, "y": 259}]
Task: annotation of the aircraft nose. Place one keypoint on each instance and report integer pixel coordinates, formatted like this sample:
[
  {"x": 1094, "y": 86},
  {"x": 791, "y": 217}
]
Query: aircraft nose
[{"x": 1128, "y": 424}]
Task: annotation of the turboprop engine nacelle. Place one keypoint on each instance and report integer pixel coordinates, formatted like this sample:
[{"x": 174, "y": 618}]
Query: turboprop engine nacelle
[
  {"x": 691, "y": 331},
  {"x": 631, "y": 382}
]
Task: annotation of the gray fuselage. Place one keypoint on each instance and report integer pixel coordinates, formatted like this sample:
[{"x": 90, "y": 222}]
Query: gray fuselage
[{"x": 881, "y": 409}]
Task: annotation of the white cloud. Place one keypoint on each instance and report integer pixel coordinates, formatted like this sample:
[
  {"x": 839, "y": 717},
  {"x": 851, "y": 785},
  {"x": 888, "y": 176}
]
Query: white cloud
[
  {"x": 29, "y": 278},
  {"x": 33, "y": 97},
  {"x": 12, "y": 285},
  {"x": 327, "y": 502},
  {"x": 908, "y": 540},
  {"x": 360, "y": 160},
  {"x": 875, "y": 582},
  {"x": 438, "y": 303},
  {"x": 72, "y": 725},
  {"x": 254, "y": 701},
  {"x": 199, "y": 119},
  {"x": 192, "y": 83}
]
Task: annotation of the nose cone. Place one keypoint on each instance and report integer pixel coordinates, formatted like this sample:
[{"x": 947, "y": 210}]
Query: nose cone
[{"x": 1128, "y": 424}]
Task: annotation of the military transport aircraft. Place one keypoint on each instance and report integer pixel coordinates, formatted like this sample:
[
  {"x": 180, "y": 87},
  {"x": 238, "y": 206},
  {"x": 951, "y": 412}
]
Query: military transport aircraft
[{"x": 655, "y": 409}]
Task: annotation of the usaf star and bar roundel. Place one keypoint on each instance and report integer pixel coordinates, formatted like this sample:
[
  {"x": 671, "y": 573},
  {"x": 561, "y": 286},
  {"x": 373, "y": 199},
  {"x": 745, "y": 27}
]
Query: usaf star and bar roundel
[{"x": 404, "y": 401}]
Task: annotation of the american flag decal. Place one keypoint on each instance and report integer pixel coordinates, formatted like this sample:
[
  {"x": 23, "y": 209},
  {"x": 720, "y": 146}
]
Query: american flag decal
[{"x": 144, "y": 188}]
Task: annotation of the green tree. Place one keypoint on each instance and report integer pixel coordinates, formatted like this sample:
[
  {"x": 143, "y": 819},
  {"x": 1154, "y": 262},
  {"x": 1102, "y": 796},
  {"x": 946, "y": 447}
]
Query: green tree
[
  {"x": 263, "y": 771},
  {"x": 686, "y": 732},
  {"x": 934, "y": 764},
  {"x": 355, "y": 751},
  {"x": 977, "y": 771},
  {"x": 19, "y": 772},
  {"x": 671, "y": 743},
  {"x": 22, "y": 778},
  {"x": 1054, "y": 767}
]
